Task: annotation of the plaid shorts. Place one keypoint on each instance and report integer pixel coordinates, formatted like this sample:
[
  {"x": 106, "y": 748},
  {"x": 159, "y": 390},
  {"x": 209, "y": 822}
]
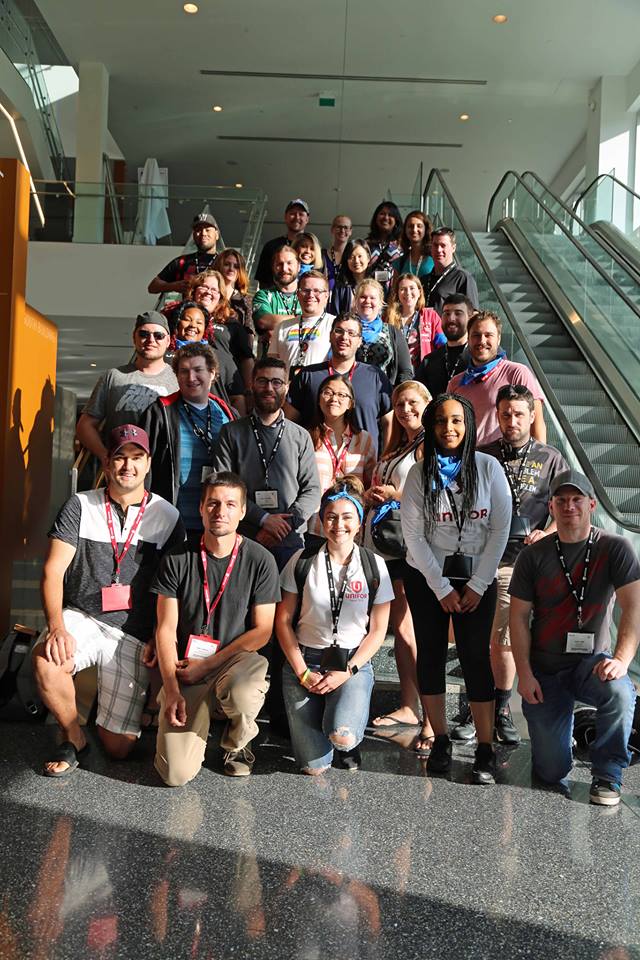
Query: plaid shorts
[{"x": 122, "y": 677}]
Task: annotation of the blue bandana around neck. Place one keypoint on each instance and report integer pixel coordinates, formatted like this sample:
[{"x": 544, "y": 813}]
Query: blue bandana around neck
[
  {"x": 448, "y": 468},
  {"x": 183, "y": 343},
  {"x": 475, "y": 374},
  {"x": 304, "y": 268},
  {"x": 371, "y": 331}
]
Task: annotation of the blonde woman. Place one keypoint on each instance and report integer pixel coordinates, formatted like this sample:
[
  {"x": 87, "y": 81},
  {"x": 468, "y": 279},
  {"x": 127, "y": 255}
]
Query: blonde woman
[
  {"x": 309, "y": 251},
  {"x": 383, "y": 345},
  {"x": 420, "y": 325}
]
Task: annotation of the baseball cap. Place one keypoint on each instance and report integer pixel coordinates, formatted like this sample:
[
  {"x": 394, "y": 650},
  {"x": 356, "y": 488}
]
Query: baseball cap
[
  {"x": 572, "y": 478},
  {"x": 152, "y": 316},
  {"x": 206, "y": 219},
  {"x": 128, "y": 433},
  {"x": 297, "y": 203}
]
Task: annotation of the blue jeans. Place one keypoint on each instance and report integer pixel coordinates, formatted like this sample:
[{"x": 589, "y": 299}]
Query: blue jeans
[
  {"x": 551, "y": 722},
  {"x": 314, "y": 720}
]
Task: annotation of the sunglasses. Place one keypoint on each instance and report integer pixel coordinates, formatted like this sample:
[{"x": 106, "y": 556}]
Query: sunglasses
[{"x": 149, "y": 334}]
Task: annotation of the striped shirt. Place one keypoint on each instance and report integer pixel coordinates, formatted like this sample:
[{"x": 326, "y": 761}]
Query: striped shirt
[{"x": 355, "y": 456}]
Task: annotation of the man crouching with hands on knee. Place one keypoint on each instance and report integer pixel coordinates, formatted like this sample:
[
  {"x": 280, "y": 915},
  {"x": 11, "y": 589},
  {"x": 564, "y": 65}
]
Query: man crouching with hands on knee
[{"x": 216, "y": 603}]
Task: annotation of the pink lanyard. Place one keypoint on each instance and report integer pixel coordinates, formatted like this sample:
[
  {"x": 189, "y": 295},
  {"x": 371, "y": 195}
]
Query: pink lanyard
[
  {"x": 338, "y": 459},
  {"x": 331, "y": 371},
  {"x": 210, "y": 607},
  {"x": 119, "y": 557}
]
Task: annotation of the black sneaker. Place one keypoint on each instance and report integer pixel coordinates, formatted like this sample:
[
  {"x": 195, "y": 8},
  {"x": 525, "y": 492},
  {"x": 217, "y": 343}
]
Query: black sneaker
[
  {"x": 465, "y": 728},
  {"x": 350, "y": 760},
  {"x": 484, "y": 767},
  {"x": 505, "y": 730},
  {"x": 439, "y": 760},
  {"x": 604, "y": 792}
]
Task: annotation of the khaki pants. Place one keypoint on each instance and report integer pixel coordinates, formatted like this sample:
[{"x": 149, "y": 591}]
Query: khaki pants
[
  {"x": 240, "y": 686},
  {"x": 500, "y": 631}
]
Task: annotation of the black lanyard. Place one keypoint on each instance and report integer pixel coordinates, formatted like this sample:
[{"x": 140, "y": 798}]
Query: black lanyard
[
  {"x": 459, "y": 518},
  {"x": 206, "y": 438},
  {"x": 439, "y": 278},
  {"x": 578, "y": 597},
  {"x": 304, "y": 337},
  {"x": 336, "y": 603},
  {"x": 266, "y": 463},
  {"x": 289, "y": 301},
  {"x": 451, "y": 371},
  {"x": 515, "y": 479}
]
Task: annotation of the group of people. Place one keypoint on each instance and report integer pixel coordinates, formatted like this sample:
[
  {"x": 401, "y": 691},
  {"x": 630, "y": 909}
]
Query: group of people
[{"x": 347, "y": 449}]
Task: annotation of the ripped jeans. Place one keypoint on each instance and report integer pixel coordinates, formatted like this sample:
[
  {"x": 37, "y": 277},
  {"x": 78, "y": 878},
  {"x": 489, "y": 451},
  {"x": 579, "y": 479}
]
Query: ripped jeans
[{"x": 314, "y": 721}]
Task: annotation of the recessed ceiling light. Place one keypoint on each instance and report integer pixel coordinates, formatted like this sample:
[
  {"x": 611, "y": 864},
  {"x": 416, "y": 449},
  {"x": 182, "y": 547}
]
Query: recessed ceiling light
[
  {"x": 500, "y": 18},
  {"x": 239, "y": 185},
  {"x": 464, "y": 116},
  {"x": 190, "y": 7},
  {"x": 217, "y": 108},
  {"x": 93, "y": 364}
]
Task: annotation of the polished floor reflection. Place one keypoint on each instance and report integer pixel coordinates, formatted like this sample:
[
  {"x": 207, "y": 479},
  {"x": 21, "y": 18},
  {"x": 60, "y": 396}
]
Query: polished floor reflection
[{"x": 386, "y": 863}]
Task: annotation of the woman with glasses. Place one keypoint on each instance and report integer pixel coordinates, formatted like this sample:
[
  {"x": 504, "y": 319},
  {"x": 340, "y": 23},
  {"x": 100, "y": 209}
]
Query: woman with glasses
[
  {"x": 330, "y": 622},
  {"x": 420, "y": 325},
  {"x": 383, "y": 346},
  {"x": 209, "y": 289},
  {"x": 354, "y": 266},
  {"x": 341, "y": 448}
]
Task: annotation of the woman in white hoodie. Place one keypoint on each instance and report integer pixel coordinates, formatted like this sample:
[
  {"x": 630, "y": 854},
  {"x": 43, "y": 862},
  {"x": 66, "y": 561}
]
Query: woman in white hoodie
[{"x": 456, "y": 513}]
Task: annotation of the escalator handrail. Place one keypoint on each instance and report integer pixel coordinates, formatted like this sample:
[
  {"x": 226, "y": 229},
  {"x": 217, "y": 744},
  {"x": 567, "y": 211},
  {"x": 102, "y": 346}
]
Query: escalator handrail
[
  {"x": 604, "y": 176},
  {"x": 585, "y": 464},
  {"x": 585, "y": 253}
]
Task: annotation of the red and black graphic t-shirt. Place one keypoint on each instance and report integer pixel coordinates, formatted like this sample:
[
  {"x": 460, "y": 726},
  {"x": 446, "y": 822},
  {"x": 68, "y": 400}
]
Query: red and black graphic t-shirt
[{"x": 538, "y": 578}]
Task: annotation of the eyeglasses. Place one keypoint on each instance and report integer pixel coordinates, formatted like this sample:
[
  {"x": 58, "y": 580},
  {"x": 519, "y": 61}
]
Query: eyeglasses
[
  {"x": 347, "y": 334},
  {"x": 312, "y": 292},
  {"x": 275, "y": 382},
  {"x": 151, "y": 334},
  {"x": 330, "y": 395}
]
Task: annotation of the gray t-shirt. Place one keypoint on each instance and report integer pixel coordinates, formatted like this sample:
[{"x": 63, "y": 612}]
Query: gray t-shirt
[
  {"x": 122, "y": 394},
  {"x": 539, "y": 579}
]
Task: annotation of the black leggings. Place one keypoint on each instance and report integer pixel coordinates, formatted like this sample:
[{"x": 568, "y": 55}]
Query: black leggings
[{"x": 472, "y": 632}]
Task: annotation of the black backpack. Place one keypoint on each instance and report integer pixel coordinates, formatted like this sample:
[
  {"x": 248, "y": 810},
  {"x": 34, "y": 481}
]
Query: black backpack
[
  {"x": 303, "y": 565},
  {"x": 16, "y": 673}
]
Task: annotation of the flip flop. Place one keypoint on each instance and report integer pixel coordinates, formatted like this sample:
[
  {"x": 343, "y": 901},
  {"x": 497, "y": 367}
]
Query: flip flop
[
  {"x": 394, "y": 723},
  {"x": 423, "y": 751},
  {"x": 66, "y": 753}
]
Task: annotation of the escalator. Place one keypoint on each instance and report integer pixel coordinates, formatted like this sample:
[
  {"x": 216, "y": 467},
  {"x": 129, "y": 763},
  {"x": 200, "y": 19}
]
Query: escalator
[{"x": 612, "y": 211}]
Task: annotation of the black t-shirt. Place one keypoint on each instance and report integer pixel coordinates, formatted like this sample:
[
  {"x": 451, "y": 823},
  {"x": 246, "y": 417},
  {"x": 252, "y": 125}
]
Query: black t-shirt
[
  {"x": 188, "y": 265},
  {"x": 440, "y": 365},
  {"x": 437, "y": 287},
  {"x": 254, "y": 581}
]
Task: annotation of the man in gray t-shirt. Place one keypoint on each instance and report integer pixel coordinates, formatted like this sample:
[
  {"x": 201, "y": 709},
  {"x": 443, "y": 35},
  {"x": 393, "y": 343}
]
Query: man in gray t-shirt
[
  {"x": 562, "y": 595},
  {"x": 122, "y": 394}
]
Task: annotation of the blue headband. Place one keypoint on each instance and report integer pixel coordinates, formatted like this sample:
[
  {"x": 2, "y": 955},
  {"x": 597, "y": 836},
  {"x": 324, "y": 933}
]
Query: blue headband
[{"x": 342, "y": 495}]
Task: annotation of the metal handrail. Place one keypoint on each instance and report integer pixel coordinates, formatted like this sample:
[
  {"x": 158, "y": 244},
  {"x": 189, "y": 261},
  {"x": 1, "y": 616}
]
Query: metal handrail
[
  {"x": 585, "y": 253},
  {"x": 534, "y": 363},
  {"x": 604, "y": 176}
]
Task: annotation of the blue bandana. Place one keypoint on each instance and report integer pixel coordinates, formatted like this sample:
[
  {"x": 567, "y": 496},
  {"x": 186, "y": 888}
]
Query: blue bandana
[
  {"x": 383, "y": 509},
  {"x": 183, "y": 343},
  {"x": 448, "y": 468},
  {"x": 342, "y": 495},
  {"x": 371, "y": 331},
  {"x": 475, "y": 374}
]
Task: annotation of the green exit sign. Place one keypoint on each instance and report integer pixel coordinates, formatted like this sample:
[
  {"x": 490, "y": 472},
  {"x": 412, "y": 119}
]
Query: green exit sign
[{"x": 327, "y": 102}]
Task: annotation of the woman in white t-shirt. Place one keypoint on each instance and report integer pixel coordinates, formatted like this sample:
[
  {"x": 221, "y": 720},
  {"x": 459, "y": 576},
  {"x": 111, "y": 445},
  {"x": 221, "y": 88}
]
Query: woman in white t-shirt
[{"x": 329, "y": 638}]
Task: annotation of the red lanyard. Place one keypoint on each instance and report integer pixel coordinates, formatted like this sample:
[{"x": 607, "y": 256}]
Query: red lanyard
[
  {"x": 119, "y": 557},
  {"x": 338, "y": 459},
  {"x": 331, "y": 372},
  {"x": 210, "y": 607}
]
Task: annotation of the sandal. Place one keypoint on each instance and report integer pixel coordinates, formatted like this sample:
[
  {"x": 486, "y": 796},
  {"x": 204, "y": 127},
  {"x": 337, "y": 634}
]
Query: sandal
[
  {"x": 65, "y": 753},
  {"x": 422, "y": 745}
]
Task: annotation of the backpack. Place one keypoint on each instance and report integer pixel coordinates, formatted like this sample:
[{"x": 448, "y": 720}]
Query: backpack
[
  {"x": 16, "y": 673},
  {"x": 303, "y": 565}
]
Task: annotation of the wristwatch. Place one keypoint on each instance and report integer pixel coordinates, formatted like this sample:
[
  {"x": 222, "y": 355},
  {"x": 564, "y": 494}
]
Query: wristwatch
[{"x": 352, "y": 668}]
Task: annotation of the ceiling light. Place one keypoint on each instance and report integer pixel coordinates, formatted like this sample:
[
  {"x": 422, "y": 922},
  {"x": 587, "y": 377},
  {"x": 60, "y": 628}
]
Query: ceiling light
[
  {"x": 239, "y": 186},
  {"x": 93, "y": 364},
  {"x": 217, "y": 108},
  {"x": 464, "y": 116},
  {"x": 190, "y": 7},
  {"x": 500, "y": 18}
]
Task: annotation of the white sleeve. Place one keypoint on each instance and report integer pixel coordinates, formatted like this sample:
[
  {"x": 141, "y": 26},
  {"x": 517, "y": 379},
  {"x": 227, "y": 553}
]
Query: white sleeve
[
  {"x": 499, "y": 524},
  {"x": 412, "y": 519},
  {"x": 385, "y": 589}
]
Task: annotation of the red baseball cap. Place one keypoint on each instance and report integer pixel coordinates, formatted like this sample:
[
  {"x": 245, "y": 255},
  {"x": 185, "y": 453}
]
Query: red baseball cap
[{"x": 128, "y": 433}]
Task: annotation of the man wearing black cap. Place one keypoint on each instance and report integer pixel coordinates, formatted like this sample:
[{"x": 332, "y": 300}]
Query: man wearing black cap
[
  {"x": 122, "y": 394},
  {"x": 173, "y": 277},
  {"x": 296, "y": 218},
  {"x": 569, "y": 582},
  {"x": 105, "y": 547}
]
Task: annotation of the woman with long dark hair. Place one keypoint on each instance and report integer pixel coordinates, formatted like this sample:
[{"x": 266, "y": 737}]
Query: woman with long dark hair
[
  {"x": 384, "y": 242},
  {"x": 416, "y": 245},
  {"x": 456, "y": 513},
  {"x": 353, "y": 269}
]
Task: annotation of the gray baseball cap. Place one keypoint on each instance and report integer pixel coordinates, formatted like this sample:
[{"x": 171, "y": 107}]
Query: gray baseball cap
[
  {"x": 152, "y": 316},
  {"x": 572, "y": 478}
]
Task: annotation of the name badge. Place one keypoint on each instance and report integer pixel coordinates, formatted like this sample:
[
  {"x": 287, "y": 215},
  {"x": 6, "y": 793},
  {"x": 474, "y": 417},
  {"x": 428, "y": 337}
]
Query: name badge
[
  {"x": 580, "y": 642},
  {"x": 116, "y": 597},
  {"x": 201, "y": 646},
  {"x": 267, "y": 499},
  {"x": 382, "y": 276}
]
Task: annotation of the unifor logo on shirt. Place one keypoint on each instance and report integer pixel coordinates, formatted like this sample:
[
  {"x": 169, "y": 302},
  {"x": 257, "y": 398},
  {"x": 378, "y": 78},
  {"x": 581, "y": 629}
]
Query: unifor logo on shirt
[{"x": 355, "y": 591}]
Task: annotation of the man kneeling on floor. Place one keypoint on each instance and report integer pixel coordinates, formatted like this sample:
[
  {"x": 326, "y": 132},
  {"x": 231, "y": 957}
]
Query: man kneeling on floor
[
  {"x": 216, "y": 604},
  {"x": 104, "y": 552},
  {"x": 568, "y": 581}
]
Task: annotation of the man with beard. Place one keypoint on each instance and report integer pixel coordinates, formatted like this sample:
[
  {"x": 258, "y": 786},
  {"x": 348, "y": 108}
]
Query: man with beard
[
  {"x": 173, "y": 277},
  {"x": 443, "y": 363},
  {"x": 296, "y": 218},
  {"x": 279, "y": 302}
]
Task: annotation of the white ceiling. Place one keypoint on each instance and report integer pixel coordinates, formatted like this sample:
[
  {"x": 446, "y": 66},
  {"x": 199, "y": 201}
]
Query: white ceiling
[{"x": 531, "y": 112}]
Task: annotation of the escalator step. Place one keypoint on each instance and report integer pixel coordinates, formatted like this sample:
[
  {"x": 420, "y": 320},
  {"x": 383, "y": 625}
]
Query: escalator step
[{"x": 617, "y": 453}]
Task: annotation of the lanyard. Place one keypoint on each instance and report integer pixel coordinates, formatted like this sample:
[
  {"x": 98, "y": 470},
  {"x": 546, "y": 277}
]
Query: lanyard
[
  {"x": 397, "y": 460},
  {"x": 336, "y": 602},
  {"x": 451, "y": 371},
  {"x": 515, "y": 479},
  {"x": 304, "y": 338},
  {"x": 207, "y": 437},
  {"x": 420, "y": 259},
  {"x": 331, "y": 372},
  {"x": 266, "y": 463},
  {"x": 338, "y": 458},
  {"x": 408, "y": 328},
  {"x": 438, "y": 280},
  {"x": 578, "y": 597},
  {"x": 119, "y": 557},
  {"x": 210, "y": 607},
  {"x": 289, "y": 301},
  {"x": 459, "y": 518}
]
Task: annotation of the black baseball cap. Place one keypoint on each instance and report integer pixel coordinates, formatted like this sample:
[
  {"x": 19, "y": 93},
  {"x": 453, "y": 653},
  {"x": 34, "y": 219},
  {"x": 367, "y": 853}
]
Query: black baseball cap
[
  {"x": 204, "y": 220},
  {"x": 298, "y": 203},
  {"x": 572, "y": 478}
]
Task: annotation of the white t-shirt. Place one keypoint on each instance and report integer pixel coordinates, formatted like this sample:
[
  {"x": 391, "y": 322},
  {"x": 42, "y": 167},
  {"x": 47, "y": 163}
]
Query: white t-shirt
[
  {"x": 314, "y": 334},
  {"x": 315, "y": 626}
]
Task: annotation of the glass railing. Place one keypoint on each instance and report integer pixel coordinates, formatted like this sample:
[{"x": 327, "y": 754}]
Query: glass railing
[
  {"x": 608, "y": 199},
  {"x": 608, "y": 313}
]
